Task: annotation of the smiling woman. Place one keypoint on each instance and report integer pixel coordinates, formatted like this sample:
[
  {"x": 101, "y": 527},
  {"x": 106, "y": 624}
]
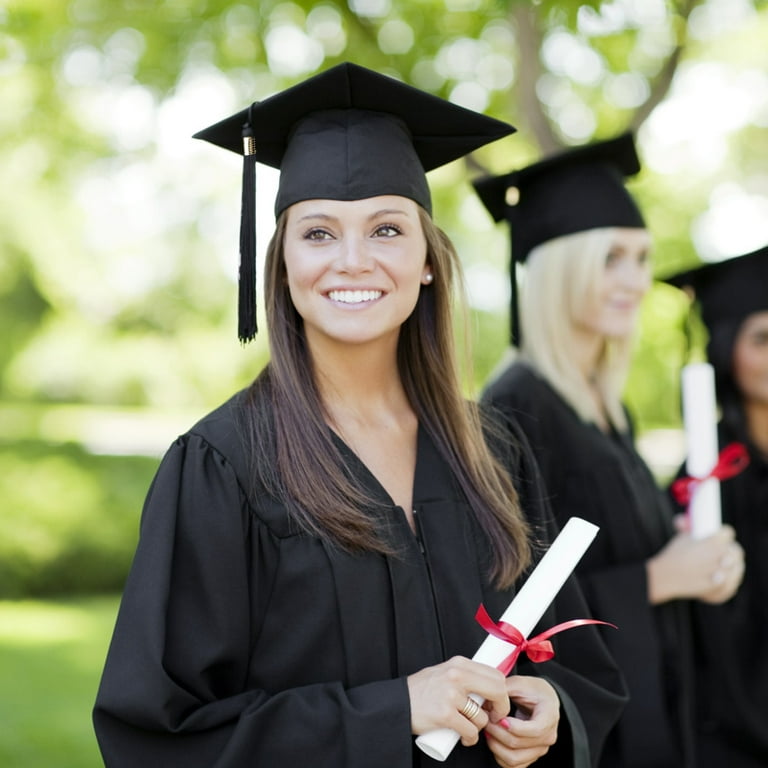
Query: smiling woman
[
  {"x": 312, "y": 554},
  {"x": 343, "y": 258}
]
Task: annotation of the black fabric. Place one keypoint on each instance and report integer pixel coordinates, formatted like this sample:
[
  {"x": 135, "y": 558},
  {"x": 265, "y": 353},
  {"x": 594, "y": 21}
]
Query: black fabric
[
  {"x": 732, "y": 664},
  {"x": 240, "y": 642},
  {"x": 728, "y": 291},
  {"x": 601, "y": 478},
  {"x": 572, "y": 191},
  {"x": 397, "y": 133}
]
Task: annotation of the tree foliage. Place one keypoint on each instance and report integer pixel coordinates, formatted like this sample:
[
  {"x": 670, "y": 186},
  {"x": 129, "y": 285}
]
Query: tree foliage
[{"x": 118, "y": 232}]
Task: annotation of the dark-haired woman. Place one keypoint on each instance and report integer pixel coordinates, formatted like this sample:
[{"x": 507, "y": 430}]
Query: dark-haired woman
[
  {"x": 312, "y": 553},
  {"x": 732, "y": 665}
]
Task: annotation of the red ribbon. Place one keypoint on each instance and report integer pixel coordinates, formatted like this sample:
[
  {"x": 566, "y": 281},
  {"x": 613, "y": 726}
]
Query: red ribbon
[
  {"x": 537, "y": 649},
  {"x": 732, "y": 460}
]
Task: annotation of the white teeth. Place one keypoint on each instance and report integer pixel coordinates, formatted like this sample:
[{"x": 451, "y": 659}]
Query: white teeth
[{"x": 354, "y": 297}]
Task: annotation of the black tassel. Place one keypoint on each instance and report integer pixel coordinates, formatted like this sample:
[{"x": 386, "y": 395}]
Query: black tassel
[
  {"x": 514, "y": 314},
  {"x": 246, "y": 313}
]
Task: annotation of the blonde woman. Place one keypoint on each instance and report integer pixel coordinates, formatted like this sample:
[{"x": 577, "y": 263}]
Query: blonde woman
[{"x": 586, "y": 252}]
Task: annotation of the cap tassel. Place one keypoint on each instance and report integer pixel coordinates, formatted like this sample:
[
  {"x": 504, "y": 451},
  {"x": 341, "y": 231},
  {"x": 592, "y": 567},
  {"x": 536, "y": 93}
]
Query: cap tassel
[
  {"x": 514, "y": 314},
  {"x": 247, "y": 328}
]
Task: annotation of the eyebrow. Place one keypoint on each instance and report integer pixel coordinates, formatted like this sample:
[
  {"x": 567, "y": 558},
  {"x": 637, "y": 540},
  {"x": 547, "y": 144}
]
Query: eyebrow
[
  {"x": 374, "y": 215},
  {"x": 621, "y": 249}
]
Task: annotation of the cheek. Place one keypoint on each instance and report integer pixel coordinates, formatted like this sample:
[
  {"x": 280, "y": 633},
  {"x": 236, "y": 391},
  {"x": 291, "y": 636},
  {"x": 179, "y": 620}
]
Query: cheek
[
  {"x": 300, "y": 271},
  {"x": 750, "y": 368}
]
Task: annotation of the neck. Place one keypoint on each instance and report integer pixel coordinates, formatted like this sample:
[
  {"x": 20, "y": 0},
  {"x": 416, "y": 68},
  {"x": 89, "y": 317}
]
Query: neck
[
  {"x": 586, "y": 352},
  {"x": 587, "y": 348},
  {"x": 360, "y": 382}
]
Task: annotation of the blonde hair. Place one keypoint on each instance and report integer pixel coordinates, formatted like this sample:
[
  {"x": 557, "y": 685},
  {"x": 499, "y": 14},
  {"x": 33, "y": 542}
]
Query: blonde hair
[{"x": 561, "y": 281}]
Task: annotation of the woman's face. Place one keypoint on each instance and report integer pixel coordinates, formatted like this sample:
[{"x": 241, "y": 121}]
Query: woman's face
[
  {"x": 750, "y": 358},
  {"x": 625, "y": 279},
  {"x": 355, "y": 268}
]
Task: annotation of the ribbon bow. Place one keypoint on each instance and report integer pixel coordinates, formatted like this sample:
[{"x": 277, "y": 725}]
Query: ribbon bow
[
  {"x": 732, "y": 460},
  {"x": 537, "y": 648}
]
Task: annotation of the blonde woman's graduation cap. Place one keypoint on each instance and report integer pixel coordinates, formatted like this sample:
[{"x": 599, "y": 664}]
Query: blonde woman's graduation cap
[{"x": 574, "y": 190}]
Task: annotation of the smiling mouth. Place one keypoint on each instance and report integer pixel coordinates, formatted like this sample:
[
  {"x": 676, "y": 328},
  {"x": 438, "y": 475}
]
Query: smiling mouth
[{"x": 354, "y": 297}]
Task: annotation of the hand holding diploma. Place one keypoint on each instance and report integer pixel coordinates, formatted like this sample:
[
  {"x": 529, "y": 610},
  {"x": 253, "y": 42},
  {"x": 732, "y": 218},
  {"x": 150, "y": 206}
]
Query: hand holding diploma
[{"x": 507, "y": 638}]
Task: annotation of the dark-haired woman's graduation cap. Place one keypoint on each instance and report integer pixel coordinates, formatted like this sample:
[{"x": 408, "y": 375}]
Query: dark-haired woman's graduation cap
[
  {"x": 727, "y": 291},
  {"x": 572, "y": 191},
  {"x": 346, "y": 134}
]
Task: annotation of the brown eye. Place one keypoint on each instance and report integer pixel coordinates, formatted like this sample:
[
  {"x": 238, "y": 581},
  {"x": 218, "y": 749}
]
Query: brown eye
[
  {"x": 387, "y": 230},
  {"x": 317, "y": 234}
]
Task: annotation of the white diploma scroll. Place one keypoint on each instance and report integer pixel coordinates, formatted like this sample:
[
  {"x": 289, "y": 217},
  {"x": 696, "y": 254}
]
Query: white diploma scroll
[
  {"x": 700, "y": 422},
  {"x": 523, "y": 613}
]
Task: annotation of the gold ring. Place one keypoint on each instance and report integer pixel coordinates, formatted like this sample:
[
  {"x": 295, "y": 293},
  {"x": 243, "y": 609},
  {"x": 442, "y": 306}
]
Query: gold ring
[{"x": 471, "y": 708}]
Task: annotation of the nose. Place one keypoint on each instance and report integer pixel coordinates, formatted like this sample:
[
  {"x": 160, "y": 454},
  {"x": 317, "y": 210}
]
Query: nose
[
  {"x": 354, "y": 256},
  {"x": 635, "y": 275}
]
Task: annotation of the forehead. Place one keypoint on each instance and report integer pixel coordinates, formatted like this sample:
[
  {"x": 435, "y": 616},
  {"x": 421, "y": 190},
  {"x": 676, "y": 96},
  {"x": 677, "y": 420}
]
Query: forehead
[
  {"x": 632, "y": 237},
  {"x": 757, "y": 322},
  {"x": 353, "y": 209}
]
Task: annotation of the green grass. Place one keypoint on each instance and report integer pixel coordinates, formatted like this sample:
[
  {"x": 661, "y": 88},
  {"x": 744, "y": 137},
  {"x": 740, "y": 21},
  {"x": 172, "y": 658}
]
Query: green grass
[{"x": 51, "y": 655}]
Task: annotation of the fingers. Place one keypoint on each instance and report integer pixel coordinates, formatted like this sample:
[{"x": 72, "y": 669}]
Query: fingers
[
  {"x": 725, "y": 567},
  {"x": 709, "y": 569},
  {"x": 727, "y": 576},
  {"x": 681, "y": 523},
  {"x": 440, "y": 698},
  {"x": 521, "y": 739}
]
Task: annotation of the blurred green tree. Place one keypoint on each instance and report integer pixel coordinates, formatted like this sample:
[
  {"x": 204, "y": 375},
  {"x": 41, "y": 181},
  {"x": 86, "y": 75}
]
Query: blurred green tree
[{"x": 118, "y": 232}]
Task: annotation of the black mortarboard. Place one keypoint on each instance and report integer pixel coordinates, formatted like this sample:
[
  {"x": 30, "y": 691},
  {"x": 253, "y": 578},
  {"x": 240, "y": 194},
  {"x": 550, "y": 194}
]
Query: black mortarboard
[
  {"x": 346, "y": 134},
  {"x": 568, "y": 192},
  {"x": 728, "y": 291}
]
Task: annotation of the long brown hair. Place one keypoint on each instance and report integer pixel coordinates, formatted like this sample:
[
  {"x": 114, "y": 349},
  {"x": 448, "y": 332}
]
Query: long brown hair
[{"x": 294, "y": 453}]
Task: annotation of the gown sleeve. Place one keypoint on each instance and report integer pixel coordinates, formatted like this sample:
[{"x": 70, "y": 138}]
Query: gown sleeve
[
  {"x": 176, "y": 691},
  {"x": 590, "y": 686}
]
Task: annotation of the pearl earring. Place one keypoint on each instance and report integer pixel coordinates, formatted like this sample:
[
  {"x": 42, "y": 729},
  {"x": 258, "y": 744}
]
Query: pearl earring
[{"x": 428, "y": 278}]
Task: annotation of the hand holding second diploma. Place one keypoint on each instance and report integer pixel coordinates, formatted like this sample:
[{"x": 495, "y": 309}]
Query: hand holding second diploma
[{"x": 708, "y": 569}]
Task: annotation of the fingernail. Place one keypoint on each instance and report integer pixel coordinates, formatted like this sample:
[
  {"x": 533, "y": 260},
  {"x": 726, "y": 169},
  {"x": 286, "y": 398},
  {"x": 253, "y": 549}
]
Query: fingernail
[{"x": 504, "y": 723}]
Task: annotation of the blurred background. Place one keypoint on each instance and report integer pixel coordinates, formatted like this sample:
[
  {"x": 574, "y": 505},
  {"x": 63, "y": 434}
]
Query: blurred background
[{"x": 118, "y": 245}]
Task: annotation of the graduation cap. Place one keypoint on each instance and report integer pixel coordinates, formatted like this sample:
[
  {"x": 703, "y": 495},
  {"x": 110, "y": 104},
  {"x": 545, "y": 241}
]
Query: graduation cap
[
  {"x": 346, "y": 134},
  {"x": 568, "y": 192},
  {"x": 727, "y": 291}
]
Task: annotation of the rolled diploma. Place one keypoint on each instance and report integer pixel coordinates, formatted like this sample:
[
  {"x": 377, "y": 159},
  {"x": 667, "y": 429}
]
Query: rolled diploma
[
  {"x": 524, "y": 612},
  {"x": 700, "y": 422}
]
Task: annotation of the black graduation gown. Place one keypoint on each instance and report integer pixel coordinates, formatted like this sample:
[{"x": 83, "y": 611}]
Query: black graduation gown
[
  {"x": 242, "y": 642},
  {"x": 602, "y": 478},
  {"x": 732, "y": 663}
]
